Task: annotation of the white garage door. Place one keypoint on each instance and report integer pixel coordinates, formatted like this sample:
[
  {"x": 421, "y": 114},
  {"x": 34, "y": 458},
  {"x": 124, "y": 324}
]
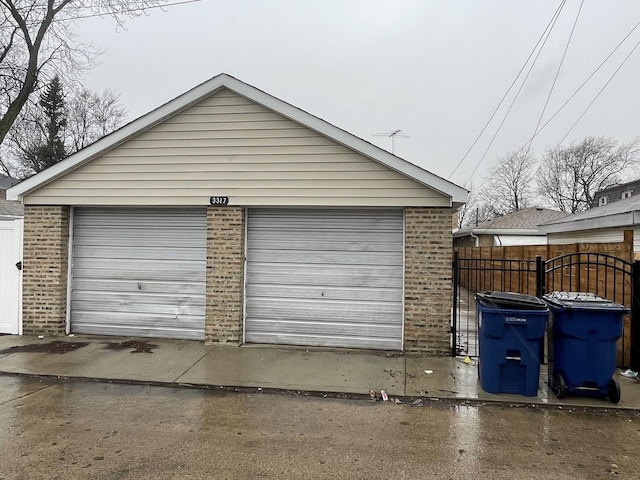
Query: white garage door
[
  {"x": 139, "y": 272},
  {"x": 10, "y": 254},
  {"x": 325, "y": 278}
]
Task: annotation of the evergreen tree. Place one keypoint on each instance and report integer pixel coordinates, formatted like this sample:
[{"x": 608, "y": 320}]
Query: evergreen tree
[{"x": 52, "y": 150}]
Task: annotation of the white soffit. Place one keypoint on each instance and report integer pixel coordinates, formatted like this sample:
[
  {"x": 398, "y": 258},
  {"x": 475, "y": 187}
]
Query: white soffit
[{"x": 457, "y": 195}]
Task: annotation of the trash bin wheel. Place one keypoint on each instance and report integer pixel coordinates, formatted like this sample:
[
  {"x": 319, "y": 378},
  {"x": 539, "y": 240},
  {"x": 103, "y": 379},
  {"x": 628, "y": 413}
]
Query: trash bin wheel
[
  {"x": 613, "y": 392},
  {"x": 560, "y": 386}
]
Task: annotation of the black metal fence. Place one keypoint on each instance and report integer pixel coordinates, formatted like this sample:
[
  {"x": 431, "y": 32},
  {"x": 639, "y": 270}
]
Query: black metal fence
[{"x": 603, "y": 275}]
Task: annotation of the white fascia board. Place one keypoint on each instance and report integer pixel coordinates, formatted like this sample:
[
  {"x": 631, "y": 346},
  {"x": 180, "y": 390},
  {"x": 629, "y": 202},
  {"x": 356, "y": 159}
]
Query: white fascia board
[
  {"x": 499, "y": 231},
  {"x": 618, "y": 220},
  {"x": 456, "y": 194}
]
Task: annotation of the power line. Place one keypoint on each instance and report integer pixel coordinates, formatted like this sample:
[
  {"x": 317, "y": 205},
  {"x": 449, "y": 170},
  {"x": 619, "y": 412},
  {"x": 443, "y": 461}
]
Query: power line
[
  {"x": 504, "y": 119},
  {"x": 553, "y": 19},
  {"x": 600, "y": 92},
  {"x": 597, "y": 95},
  {"x": 555, "y": 79},
  {"x": 583, "y": 83}
]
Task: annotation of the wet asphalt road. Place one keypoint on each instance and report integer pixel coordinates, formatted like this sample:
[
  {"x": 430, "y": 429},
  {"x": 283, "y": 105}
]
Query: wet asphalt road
[{"x": 103, "y": 431}]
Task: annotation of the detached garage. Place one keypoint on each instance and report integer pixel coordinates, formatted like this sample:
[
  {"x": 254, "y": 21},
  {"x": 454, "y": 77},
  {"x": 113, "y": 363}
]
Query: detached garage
[{"x": 228, "y": 215}]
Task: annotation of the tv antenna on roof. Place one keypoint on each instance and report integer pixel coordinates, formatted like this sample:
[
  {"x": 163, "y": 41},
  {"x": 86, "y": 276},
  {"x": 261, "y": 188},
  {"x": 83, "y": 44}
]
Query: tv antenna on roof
[{"x": 393, "y": 135}]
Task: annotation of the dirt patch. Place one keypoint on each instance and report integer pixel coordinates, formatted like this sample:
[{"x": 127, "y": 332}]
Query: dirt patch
[
  {"x": 137, "y": 346},
  {"x": 56, "y": 346}
]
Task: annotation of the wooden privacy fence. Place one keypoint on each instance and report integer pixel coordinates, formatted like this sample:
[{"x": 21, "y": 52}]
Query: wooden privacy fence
[
  {"x": 605, "y": 269},
  {"x": 513, "y": 269}
]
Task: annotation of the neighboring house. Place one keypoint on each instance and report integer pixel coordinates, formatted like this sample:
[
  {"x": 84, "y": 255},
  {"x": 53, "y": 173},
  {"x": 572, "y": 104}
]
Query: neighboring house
[
  {"x": 11, "y": 214},
  {"x": 5, "y": 184},
  {"x": 229, "y": 215},
  {"x": 605, "y": 224},
  {"x": 615, "y": 193},
  {"x": 517, "y": 228}
]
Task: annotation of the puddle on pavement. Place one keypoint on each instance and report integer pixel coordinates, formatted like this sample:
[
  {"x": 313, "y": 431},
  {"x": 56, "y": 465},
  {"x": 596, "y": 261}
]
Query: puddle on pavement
[
  {"x": 56, "y": 346},
  {"x": 137, "y": 346}
]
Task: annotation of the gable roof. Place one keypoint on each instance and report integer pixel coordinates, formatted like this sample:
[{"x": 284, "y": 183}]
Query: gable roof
[
  {"x": 522, "y": 222},
  {"x": 457, "y": 194},
  {"x": 621, "y": 213}
]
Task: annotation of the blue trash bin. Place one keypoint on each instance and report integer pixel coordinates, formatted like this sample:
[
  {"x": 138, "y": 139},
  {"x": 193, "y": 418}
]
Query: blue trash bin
[
  {"x": 584, "y": 330},
  {"x": 511, "y": 329}
]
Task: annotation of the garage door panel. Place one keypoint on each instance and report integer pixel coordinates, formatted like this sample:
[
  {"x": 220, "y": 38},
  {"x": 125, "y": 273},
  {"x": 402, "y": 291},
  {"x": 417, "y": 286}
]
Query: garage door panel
[
  {"x": 325, "y": 277},
  {"x": 96, "y": 285},
  {"x": 330, "y": 293},
  {"x": 354, "y": 277},
  {"x": 139, "y": 270},
  {"x": 314, "y": 340},
  {"x": 140, "y": 326},
  {"x": 135, "y": 251},
  {"x": 323, "y": 241},
  {"x": 154, "y": 306},
  {"x": 322, "y": 327},
  {"x": 367, "y": 313},
  {"x": 326, "y": 258}
]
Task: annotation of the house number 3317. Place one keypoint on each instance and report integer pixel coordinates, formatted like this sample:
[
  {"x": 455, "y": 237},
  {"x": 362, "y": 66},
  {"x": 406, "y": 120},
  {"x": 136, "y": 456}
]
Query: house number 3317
[{"x": 219, "y": 201}]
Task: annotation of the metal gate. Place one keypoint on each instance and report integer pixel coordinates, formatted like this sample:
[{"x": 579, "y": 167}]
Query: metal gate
[{"x": 603, "y": 275}]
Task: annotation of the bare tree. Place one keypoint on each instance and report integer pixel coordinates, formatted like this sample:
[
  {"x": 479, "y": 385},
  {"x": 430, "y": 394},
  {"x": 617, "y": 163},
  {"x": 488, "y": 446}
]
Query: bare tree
[
  {"x": 91, "y": 116},
  {"x": 509, "y": 187},
  {"x": 88, "y": 117},
  {"x": 37, "y": 41},
  {"x": 570, "y": 176},
  {"x": 475, "y": 211}
]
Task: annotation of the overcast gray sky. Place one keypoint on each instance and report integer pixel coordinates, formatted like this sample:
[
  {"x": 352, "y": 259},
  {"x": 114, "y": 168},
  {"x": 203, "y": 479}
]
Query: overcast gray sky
[{"x": 436, "y": 69}]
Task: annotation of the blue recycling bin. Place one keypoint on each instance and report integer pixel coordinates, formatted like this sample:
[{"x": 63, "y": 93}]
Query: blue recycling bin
[
  {"x": 511, "y": 328},
  {"x": 584, "y": 330}
]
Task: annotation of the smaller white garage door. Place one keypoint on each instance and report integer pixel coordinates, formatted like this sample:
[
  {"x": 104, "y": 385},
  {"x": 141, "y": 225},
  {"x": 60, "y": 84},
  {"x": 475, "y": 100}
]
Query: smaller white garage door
[
  {"x": 10, "y": 254},
  {"x": 139, "y": 272},
  {"x": 325, "y": 277}
]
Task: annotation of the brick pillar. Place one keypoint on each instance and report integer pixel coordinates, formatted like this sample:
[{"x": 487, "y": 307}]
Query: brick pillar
[
  {"x": 225, "y": 274},
  {"x": 45, "y": 263},
  {"x": 427, "y": 284}
]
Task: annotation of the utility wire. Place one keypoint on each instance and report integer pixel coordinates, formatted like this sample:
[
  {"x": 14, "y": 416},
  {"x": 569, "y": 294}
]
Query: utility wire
[
  {"x": 484, "y": 154},
  {"x": 555, "y": 79},
  {"x": 583, "y": 84},
  {"x": 553, "y": 19},
  {"x": 599, "y": 93},
  {"x": 591, "y": 103}
]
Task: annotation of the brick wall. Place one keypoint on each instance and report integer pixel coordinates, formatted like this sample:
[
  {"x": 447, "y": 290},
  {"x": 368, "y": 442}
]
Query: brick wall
[
  {"x": 225, "y": 274},
  {"x": 44, "y": 277},
  {"x": 427, "y": 295}
]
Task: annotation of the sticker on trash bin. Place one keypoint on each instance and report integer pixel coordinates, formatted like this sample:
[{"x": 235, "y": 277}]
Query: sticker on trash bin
[{"x": 515, "y": 320}]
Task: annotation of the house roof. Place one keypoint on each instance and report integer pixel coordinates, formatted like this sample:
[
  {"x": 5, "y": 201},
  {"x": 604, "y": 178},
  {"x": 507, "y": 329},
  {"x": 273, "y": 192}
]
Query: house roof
[
  {"x": 457, "y": 194},
  {"x": 621, "y": 213},
  {"x": 9, "y": 208},
  {"x": 7, "y": 182},
  {"x": 522, "y": 222}
]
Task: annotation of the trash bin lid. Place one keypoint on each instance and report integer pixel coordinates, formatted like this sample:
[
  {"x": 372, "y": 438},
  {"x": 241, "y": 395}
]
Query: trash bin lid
[
  {"x": 581, "y": 300},
  {"x": 511, "y": 300}
]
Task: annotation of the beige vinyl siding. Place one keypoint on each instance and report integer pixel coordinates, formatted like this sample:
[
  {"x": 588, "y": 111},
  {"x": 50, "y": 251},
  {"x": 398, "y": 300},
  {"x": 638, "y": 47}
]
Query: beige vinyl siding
[
  {"x": 608, "y": 235},
  {"x": 229, "y": 146}
]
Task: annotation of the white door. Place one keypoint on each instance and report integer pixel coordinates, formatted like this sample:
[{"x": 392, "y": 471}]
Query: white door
[
  {"x": 10, "y": 275},
  {"x": 139, "y": 272},
  {"x": 325, "y": 277}
]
